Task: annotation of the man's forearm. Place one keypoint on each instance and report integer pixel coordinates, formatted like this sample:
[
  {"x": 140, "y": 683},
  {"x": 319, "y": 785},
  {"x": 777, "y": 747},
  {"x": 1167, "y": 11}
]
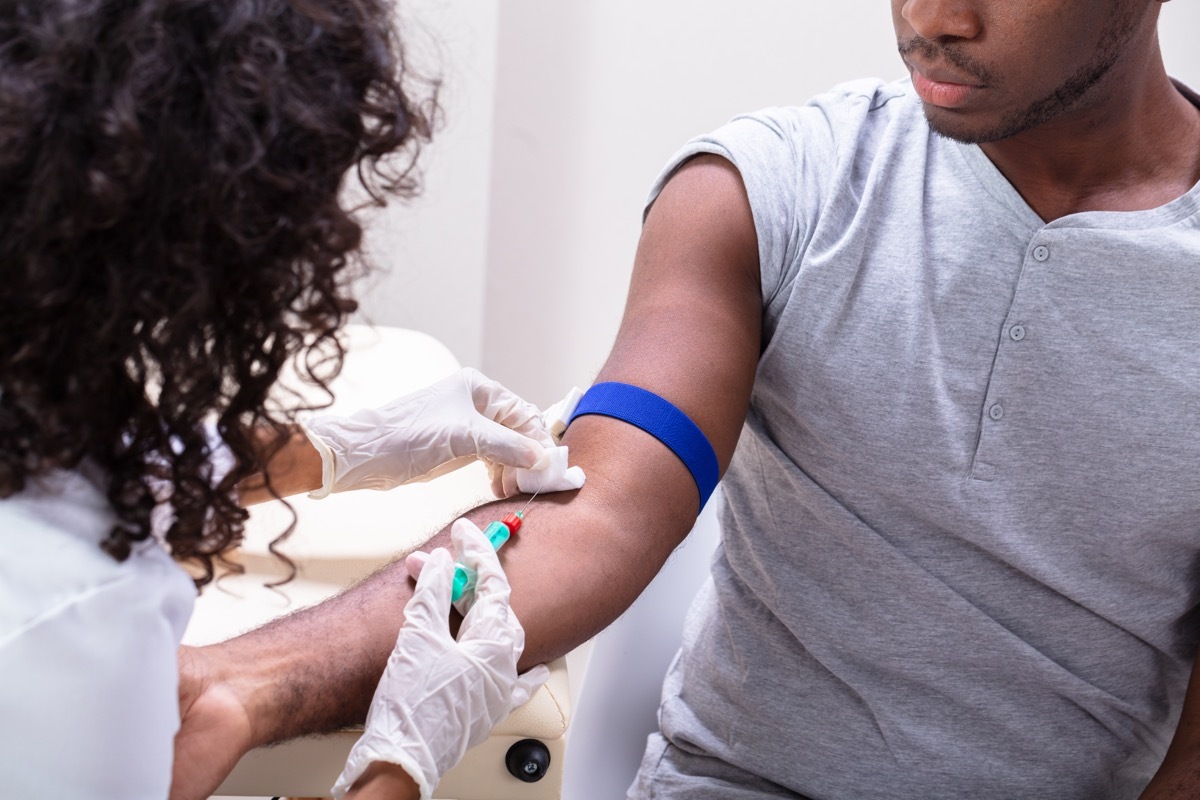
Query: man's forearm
[
  {"x": 316, "y": 669},
  {"x": 581, "y": 558}
]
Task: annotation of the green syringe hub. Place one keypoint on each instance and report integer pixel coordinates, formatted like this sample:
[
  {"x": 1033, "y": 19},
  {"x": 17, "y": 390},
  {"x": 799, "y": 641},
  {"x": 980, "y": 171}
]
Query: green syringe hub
[{"x": 497, "y": 532}]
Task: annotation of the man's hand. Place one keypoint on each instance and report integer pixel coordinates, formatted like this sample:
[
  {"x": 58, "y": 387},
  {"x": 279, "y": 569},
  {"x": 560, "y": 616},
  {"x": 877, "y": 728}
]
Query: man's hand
[{"x": 214, "y": 731}]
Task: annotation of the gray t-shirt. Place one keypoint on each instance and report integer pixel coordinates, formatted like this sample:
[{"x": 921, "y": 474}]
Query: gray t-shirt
[{"x": 961, "y": 534}]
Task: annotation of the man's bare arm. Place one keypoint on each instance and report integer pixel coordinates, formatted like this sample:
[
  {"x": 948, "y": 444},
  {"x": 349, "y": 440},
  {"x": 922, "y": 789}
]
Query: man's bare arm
[
  {"x": 691, "y": 333},
  {"x": 1179, "y": 776}
]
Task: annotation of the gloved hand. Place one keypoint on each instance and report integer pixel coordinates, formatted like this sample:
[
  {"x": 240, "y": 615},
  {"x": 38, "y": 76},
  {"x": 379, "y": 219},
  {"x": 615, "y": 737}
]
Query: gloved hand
[
  {"x": 552, "y": 473},
  {"x": 428, "y": 433},
  {"x": 439, "y": 697}
]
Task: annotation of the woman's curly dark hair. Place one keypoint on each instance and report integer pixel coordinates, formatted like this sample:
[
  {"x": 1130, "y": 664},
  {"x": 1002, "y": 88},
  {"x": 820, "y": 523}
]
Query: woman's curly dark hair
[{"x": 172, "y": 232}]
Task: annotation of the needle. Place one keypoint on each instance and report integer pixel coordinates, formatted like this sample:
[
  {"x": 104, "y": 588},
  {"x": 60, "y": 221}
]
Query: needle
[{"x": 527, "y": 502}]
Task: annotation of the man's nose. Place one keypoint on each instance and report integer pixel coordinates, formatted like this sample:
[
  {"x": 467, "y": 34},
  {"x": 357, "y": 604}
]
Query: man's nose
[{"x": 942, "y": 19}]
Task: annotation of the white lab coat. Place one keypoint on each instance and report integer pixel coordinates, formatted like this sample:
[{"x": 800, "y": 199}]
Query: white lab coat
[{"x": 88, "y": 675}]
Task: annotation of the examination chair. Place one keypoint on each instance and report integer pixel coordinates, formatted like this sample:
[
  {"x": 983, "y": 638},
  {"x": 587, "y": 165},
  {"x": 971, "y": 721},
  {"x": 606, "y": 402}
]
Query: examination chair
[{"x": 343, "y": 538}]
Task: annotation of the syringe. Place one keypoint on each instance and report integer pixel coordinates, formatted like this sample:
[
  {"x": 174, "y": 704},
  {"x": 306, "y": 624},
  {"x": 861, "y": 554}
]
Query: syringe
[{"x": 498, "y": 532}]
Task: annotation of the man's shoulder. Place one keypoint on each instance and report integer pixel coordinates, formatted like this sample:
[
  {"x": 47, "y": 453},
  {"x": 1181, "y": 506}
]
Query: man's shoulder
[
  {"x": 788, "y": 155},
  {"x": 1187, "y": 91},
  {"x": 871, "y": 98},
  {"x": 847, "y": 116},
  {"x": 856, "y": 109},
  {"x": 874, "y": 93}
]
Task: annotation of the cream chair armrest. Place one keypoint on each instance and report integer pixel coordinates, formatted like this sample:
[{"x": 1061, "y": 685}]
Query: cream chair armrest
[{"x": 308, "y": 767}]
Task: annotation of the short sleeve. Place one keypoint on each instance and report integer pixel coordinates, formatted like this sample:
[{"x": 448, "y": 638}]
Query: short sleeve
[{"x": 785, "y": 157}]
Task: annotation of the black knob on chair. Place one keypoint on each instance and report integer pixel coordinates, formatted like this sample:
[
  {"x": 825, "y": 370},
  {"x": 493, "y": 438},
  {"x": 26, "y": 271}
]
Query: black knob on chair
[{"x": 528, "y": 760}]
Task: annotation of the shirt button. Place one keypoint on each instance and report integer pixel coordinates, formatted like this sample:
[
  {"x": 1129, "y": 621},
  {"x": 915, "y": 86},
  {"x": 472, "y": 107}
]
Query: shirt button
[
  {"x": 1041, "y": 252},
  {"x": 996, "y": 411},
  {"x": 1016, "y": 333}
]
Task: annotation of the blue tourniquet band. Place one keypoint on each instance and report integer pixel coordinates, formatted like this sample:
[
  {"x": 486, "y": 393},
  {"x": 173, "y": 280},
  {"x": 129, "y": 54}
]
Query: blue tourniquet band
[{"x": 660, "y": 419}]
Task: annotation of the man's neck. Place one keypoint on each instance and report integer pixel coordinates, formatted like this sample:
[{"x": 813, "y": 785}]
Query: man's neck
[{"x": 1134, "y": 146}]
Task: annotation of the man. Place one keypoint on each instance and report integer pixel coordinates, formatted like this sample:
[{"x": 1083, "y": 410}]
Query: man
[{"x": 957, "y": 321}]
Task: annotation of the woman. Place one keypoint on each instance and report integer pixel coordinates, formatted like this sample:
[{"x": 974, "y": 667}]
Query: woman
[{"x": 171, "y": 234}]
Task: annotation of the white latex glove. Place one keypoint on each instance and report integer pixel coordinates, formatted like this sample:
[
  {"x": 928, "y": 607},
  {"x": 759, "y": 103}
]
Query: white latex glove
[
  {"x": 428, "y": 433},
  {"x": 439, "y": 697},
  {"x": 552, "y": 473}
]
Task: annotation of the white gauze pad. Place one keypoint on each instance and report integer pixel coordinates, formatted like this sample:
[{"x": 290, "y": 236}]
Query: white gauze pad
[{"x": 550, "y": 474}]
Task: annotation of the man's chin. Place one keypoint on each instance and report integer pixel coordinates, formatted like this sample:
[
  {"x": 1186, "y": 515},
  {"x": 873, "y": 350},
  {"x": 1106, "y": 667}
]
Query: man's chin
[
  {"x": 959, "y": 128},
  {"x": 955, "y": 126}
]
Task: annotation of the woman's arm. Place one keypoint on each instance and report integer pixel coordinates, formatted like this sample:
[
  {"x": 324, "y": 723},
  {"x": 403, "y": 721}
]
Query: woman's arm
[
  {"x": 426, "y": 433},
  {"x": 383, "y": 781},
  {"x": 294, "y": 468}
]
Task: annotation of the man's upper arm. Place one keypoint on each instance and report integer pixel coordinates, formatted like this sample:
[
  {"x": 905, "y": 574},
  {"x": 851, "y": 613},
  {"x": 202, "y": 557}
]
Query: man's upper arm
[
  {"x": 691, "y": 334},
  {"x": 692, "y": 324}
]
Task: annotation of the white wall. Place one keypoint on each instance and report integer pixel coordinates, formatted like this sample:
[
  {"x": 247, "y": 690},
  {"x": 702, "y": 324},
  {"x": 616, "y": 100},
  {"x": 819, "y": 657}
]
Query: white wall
[
  {"x": 1178, "y": 26},
  {"x": 558, "y": 115},
  {"x": 431, "y": 253},
  {"x": 592, "y": 98}
]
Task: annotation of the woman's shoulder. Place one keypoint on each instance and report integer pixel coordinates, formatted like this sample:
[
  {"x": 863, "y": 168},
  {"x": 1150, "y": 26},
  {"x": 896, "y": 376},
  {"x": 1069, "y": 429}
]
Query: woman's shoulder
[
  {"x": 51, "y": 562},
  {"x": 89, "y": 647}
]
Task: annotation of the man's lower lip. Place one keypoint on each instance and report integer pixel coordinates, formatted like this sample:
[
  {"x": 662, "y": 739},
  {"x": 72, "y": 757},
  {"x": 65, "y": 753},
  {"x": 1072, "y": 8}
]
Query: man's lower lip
[{"x": 943, "y": 95}]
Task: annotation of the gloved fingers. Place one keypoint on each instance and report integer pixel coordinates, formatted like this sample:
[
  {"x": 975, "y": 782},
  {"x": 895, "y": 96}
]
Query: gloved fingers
[
  {"x": 527, "y": 684},
  {"x": 476, "y": 553},
  {"x": 504, "y": 480},
  {"x": 491, "y": 632},
  {"x": 556, "y": 417},
  {"x": 497, "y": 403},
  {"x": 415, "y": 562},
  {"x": 488, "y": 617},
  {"x": 474, "y": 548},
  {"x": 429, "y": 607},
  {"x": 496, "y": 443},
  {"x": 496, "y": 477},
  {"x": 553, "y": 474}
]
